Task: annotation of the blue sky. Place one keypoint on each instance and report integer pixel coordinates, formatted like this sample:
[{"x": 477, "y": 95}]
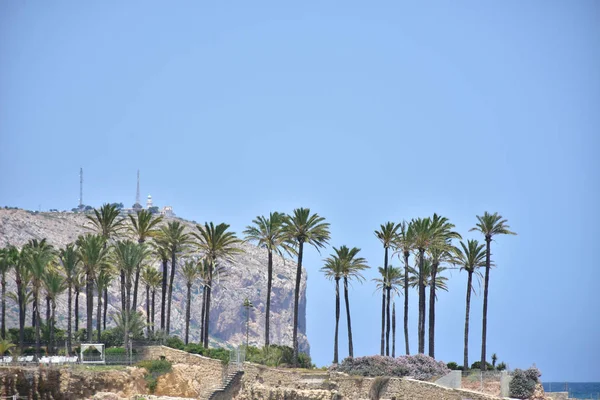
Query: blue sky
[{"x": 363, "y": 113}]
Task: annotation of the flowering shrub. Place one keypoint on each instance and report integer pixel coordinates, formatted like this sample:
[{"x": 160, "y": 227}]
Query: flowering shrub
[
  {"x": 523, "y": 383},
  {"x": 419, "y": 366}
]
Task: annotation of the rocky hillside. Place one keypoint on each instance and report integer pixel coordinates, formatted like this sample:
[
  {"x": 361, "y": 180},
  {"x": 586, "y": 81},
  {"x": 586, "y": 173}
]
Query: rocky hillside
[{"x": 246, "y": 277}]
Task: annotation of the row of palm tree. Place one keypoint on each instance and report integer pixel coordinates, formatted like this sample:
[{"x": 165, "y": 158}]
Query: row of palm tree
[{"x": 430, "y": 241}]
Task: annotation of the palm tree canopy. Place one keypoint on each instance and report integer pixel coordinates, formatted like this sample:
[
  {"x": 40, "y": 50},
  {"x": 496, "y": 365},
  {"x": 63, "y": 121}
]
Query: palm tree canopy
[
  {"x": 440, "y": 281},
  {"x": 37, "y": 257},
  {"x": 352, "y": 265},
  {"x": 151, "y": 277},
  {"x": 332, "y": 268},
  {"x": 173, "y": 234},
  {"x": 216, "y": 242},
  {"x": 304, "y": 227},
  {"x": 131, "y": 320},
  {"x": 491, "y": 225},
  {"x": 388, "y": 233},
  {"x": 404, "y": 242},
  {"x": 191, "y": 271},
  {"x": 69, "y": 260},
  {"x": 392, "y": 279},
  {"x": 106, "y": 220},
  {"x": 469, "y": 256},
  {"x": 127, "y": 255},
  {"x": 92, "y": 253},
  {"x": 144, "y": 224},
  {"x": 54, "y": 283},
  {"x": 268, "y": 233}
]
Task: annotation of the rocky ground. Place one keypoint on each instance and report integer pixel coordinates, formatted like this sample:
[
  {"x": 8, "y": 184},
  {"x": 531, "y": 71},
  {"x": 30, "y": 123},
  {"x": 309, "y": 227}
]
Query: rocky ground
[{"x": 246, "y": 277}]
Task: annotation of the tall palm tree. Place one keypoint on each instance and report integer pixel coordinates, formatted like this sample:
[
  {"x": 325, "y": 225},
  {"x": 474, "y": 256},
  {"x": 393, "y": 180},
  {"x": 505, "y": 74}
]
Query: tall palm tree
[
  {"x": 152, "y": 278},
  {"x": 128, "y": 323},
  {"x": 161, "y": 249},
  {"x": 352, "y": 265},
  {"x": 423, "y": 236},
  {"x": 405, "y": 245},
  {"x": 127, "y": 256},
  {"x": 107, "y": 223},
  {"x": 69, "y": 260},
  {"x": 470, "y": 258},
  {"x": 333, "y": 271},
  {"x": 301, "y": 227},
  {"x": 176, "y": 238},
  {"x": 394, "y": 330},
  {"x": 268, "y": 234},
  {"x": 94, "y": 256},
  {"x": 387, "y": 234},
  {"x": 489, "y": 225},
  {"x": 144, "y": 225},
  {"x": 390, "y": 281},
  {"x": 204, "y": 268},
  {"x": 103, "y": 281},
  {"x": 217, "y": 244},
  {"x": 38, "y": 257},
  {"x": 55, "y": 284},
  {"x": 440, "y": 253},
  {"x": 5, "y": 266},
  {"x": 22, "y": 277},
  {"x": 78, "y": 284},
  {"x": 191, "y": 272}
]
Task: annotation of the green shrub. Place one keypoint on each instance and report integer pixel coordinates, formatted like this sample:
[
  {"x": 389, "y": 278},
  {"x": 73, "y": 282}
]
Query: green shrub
[
  {"x": 194, "y": 348},
  {"x": 523, "y": 383},
  {"x": 219, "y": 354},
  {"x": 111, "y": 338},
  {"x": 501, "y": 366},
  {"x": 115, "y": 351},
  {"x": 452, "y": 365},
  {"x": 154, "y": 368},
  {"x": 477, "y": 365},
  {"x": 175, "y": 343}
]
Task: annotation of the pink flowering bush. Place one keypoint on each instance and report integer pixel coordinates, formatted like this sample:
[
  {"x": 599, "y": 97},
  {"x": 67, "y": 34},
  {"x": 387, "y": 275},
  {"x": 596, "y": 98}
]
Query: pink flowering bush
[{"x": 419, "y": 366}]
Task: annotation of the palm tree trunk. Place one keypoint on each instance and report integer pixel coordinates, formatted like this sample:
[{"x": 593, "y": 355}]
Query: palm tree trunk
[
  {"x": 69, "y": 326},
  {"x": 48, "y": 311},
  {"x": 76, "y": 309},
  {"x": 51, "y": 349},
  {"x": 421, "y": 303},
  {"x": 337, "y": 320},
  {"x": 385, "y": 268},
  {"x": 466, "y": 355},
  {"x": 36, "y": 312},
  {"x": 135, "y": 285},
  {"x": 163, "y": 310},
  {"x": 33, "y": 316},
  {"x": 268, "y": 305},
  {"x": 99, "y": 316},
  {"x": 105, "y": 305},
  {"x": 123, "y": 284},
  {"x": 350, "y": 344},
  {"x": 485, "y": 302},
  {"x": 432, "y": 311},
  {"x": 296, "y": 300},
  {"x": 202, "y": 318},
  {"x": 147, "y": 310},
  {"x": 188, "y": 312},
  {"x": 406, "y": 255},
  {"x": 207, "y": 312},
  {"x": 152, "y": 321},
  {"x": 3, "y": 327},
  {"x": 388, "y": 322},
  {"x": 173, "y": 264},
  {"x": 22, "y": 310},
  {"x": 90, "y": 305},
  {"x": 394, "y": 329}
]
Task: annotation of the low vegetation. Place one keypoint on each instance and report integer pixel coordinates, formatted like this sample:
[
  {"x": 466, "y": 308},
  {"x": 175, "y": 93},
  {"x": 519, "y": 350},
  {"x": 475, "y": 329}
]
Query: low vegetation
[
  {"x": 523, "y": 383},
  {"x": 419, "y": 367},
  {"x": 154, "y": 368}
]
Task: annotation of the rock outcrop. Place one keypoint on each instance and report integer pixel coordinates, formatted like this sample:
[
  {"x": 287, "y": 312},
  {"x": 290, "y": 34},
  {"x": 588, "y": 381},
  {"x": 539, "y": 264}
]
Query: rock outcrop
[{"x": 245, "y": 277}]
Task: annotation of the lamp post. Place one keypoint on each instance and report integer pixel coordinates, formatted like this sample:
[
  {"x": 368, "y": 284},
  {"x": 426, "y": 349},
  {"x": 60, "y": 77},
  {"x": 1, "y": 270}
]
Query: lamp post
[{"x": 247, "y": 305}]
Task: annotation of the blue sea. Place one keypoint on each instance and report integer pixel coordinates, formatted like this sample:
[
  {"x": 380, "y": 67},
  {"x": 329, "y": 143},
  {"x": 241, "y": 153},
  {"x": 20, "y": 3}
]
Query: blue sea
[{"x": 577, "y": 390}]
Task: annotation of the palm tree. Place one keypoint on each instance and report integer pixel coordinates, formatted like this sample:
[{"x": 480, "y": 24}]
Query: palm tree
[
  {"x": 94, "y": 256},
  {"x": 107, "y": 222},
  {"x": 103, "y": 281},
  {"x": 5, "y": 266},
  {"x": 22, "y": 277},
  {"x": 394, "y": 330},
  {"x": 37, "y": 258},
  {"x": 351, "y": 267},
  {"x": 440, "y": 253},
  {"x": 127, "y": 323},
  {"x": 423, "y": 236},
  {"x": 55, "y": 284},
  {"x": 268, "y": 234},
  {"x": 174, "y": 234},
  {"x": 489, "y": 225},
  {"x": 127, "y": 256},
  {"x": 70, "y": 266},
  {"x": 143, "y": 226},
  {"x": 78, "y": 284},
  {"x": 191, "y": 272},
  {"x": 204, "y": 267},
  {"x": 301, "y": 227},
  {"x": 387, "y": 234},
  {"x": 470, "y": 258},
  {"x": 5, "y": 347},
  {"x": 161, "y": 249},
  {"x": 405, "y": 245},
  {"x": 217, "y": 244},
  {"x": 333, "y": 271},
  {"x": 390, "y": 281},
  {"x": 152, "y": 278}
]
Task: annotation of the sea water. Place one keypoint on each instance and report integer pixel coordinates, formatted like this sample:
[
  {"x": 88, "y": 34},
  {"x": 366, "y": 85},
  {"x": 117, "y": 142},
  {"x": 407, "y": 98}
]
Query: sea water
[{"x": 577, "y": 390}]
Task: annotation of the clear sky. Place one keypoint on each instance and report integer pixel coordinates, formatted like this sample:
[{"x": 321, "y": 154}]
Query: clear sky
[{"x": 363, "y": 113}]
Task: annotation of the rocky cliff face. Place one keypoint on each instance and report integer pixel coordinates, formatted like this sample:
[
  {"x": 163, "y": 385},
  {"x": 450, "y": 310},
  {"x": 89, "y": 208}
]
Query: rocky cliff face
[{"x": 246, "y": 277}]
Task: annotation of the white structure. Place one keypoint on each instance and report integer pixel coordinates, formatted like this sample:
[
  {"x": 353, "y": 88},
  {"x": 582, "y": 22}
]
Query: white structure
[
  {"x": 149, "y": 202},
  {"x": 92, "y": 360},
  {"x": 167, "y": 211}
]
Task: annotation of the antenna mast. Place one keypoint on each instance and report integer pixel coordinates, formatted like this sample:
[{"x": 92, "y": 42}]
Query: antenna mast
[
  {"x": 137, "y": 193},
  {"x": 80, "y": 187}
]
